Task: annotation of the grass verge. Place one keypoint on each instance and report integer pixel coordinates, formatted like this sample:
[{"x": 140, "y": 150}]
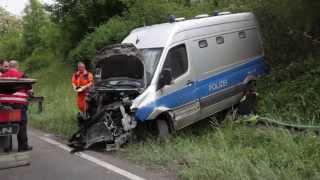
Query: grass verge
[
  {"x": 291, "y": 93},
  {"x": 232, "y": 152},
  {"x": 59, "y": 116}
]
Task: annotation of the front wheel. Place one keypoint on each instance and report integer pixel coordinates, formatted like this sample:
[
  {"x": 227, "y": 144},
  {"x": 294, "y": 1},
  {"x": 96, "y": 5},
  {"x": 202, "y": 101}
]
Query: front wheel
[{"x": 162, "y": 128}]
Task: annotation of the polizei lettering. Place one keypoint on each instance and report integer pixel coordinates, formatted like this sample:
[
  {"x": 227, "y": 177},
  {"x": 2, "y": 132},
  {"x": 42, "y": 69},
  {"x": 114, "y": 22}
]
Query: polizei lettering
[{"x": 218, "y": 85}]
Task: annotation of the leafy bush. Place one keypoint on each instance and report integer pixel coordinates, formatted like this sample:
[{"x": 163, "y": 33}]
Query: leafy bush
[
  {"x": 291, "y": 93},
  {"x": 38, "y": 60},
  {"x": 10, "y": 46},
  {"x": 53, "y": 39},
  {"x": 78, "y": 17},
  {"x": 112, "y": 32}
]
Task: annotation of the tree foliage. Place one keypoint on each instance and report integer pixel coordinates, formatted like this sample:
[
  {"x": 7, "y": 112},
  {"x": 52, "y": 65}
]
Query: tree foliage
[
  {"x": 10, "y": 35},
  {"x": 8, "y": 23},
  {"x": 33, "y": 21},
  {"x": 79, "y": 17},
  {"x": 290, "y": 28},
  {"x": 76, "y": 29}
]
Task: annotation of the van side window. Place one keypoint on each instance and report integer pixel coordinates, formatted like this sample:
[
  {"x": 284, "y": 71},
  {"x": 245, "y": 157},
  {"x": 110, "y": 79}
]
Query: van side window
[
  {"x": 203, "y": 43},
  {"x": 242, "y": 35},
  {"x": 177, "y": 61},
  {"x": 220, "y": 40}
]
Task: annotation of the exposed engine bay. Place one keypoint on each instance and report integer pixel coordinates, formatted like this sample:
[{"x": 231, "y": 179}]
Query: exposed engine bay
[{"x": 109, "y": 119}]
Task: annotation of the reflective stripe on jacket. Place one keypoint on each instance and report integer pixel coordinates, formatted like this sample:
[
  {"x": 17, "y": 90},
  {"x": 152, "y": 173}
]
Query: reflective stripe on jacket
[
  {"x": 15, "y": 98},
  {"x": 82, "y": 79}
]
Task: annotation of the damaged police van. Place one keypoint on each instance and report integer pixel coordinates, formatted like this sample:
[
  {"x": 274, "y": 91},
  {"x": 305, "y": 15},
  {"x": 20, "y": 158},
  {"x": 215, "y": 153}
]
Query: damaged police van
[{"x": 173, "y": 75}]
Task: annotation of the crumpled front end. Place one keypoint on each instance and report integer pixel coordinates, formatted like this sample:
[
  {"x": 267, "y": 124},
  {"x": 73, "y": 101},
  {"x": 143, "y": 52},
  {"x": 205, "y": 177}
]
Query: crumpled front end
[{"x": 109, "y": 119}]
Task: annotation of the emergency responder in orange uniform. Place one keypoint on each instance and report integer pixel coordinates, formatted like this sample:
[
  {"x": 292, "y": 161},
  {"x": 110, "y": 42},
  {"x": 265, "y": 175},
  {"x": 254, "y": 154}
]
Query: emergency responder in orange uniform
[{"x": 81, "y": 82}]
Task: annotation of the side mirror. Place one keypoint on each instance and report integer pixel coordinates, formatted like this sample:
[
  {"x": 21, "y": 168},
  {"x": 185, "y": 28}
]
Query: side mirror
[{"x": 165, "y": 78}]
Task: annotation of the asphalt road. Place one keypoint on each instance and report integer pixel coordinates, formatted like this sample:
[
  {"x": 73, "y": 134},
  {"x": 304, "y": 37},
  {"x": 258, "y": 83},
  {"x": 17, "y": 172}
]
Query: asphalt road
[{"x": 51, "y": 162}]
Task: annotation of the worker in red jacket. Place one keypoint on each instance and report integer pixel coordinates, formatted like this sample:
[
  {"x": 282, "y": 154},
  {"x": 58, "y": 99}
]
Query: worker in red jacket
[
  {"x": 13, "y": 71},
  {"x": 81, "y": 82},
  {"x": 21, "y": 97},
  {"x": 4, "y": 66}
]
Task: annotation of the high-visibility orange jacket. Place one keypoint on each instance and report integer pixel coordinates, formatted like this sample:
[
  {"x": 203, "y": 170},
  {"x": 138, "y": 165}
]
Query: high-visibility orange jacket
[{"x": 81, "y": 79}]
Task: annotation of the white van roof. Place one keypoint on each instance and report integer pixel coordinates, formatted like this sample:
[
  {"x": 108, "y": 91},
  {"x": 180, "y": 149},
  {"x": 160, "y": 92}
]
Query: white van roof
[{"x": 161, "y": 35}]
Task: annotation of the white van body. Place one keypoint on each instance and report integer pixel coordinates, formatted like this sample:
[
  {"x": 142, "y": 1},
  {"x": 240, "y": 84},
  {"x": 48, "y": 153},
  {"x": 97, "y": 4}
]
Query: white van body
[{"x": 212, "y": 59}]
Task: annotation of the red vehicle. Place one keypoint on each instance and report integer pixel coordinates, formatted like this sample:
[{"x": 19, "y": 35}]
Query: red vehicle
[{"x": 10, "y": 116}]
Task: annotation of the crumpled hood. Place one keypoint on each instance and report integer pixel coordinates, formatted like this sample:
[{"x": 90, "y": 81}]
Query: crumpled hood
[{"x": 121, "y": 60}]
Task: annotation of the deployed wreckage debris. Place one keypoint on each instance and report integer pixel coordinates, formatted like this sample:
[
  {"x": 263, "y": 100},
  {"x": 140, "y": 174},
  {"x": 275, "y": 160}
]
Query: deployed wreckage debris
[{"x": 119, "y": 78}]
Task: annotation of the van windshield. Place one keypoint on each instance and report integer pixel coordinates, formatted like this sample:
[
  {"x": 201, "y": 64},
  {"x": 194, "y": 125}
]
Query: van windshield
[{"x": 151, "y": 58}]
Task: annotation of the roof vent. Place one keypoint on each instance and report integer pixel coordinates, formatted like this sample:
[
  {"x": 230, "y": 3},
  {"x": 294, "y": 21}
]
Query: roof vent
[
  {"x": 215, "y": 13},
  {"x": 180, "y": 19},
  {"x": 201, "y": 16},
  {"x": 173, "y": 19},
  {"x": 224, "y": 13}
]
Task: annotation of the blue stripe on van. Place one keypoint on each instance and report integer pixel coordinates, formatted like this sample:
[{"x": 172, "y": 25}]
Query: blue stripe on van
[{"x": 233, "y": 76}]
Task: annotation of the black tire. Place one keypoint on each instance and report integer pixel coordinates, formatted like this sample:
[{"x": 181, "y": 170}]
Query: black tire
[
  {"x": 221, "y": 116},
  {"x": 9, "y": 147},
  {"x": 252, "y": 86},
  {"x": 249, "y": 105},
  {"x": 162, "y": 128},
  {"x": 6, "y": 145}
]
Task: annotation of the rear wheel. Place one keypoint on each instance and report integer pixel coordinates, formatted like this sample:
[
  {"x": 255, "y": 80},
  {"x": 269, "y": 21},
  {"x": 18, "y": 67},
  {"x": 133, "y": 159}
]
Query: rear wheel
[
  {"x": 9, "y": 148},
  {"x": 248, "y": 104},
  {"x": 6, "y": 143},
  {"x": 162, "y": 128}
]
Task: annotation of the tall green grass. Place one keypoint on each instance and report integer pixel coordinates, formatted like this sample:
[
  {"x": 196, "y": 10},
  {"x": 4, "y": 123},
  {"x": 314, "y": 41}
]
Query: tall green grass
[
  {"x": 291, "y": 93},
  {"x": 54, "y": 83},
  {"x": 232, "y": 152}
]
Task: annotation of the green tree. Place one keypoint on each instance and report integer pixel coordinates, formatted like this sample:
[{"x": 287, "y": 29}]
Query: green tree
[
  {"x": 34, "y": 20},
  {"x": 10, "y": 35},
  {"x": 8, "y": 23},
  {"x": 79, "y": 17}
]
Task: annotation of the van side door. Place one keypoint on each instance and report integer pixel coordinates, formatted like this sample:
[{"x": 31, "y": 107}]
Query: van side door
[{"x": 181, "y": 94}]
